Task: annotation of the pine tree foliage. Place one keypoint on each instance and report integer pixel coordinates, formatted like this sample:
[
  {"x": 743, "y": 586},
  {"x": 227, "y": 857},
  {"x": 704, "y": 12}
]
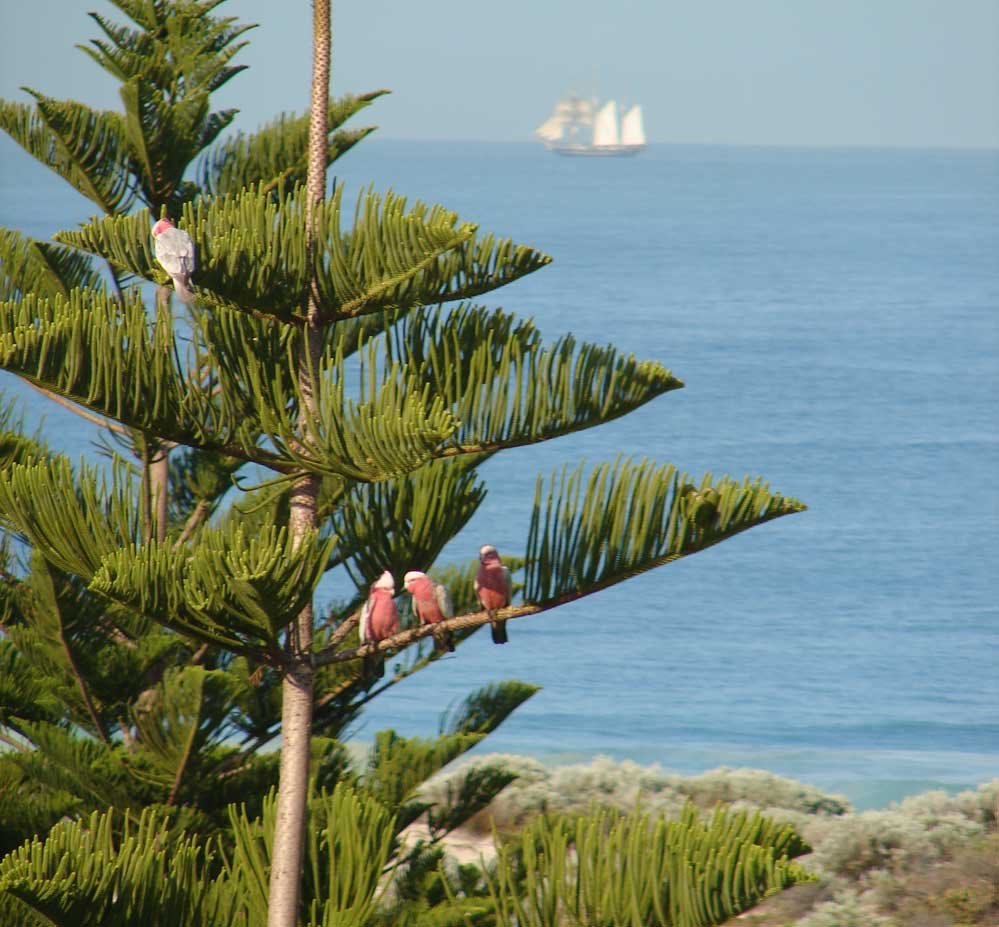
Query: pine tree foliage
[
  {"x": 274, "y": 157},
  {"x": 177, "y": 46},
  {"x": 641, "y": 871},
  {"x": 483, "y": 711},
  {"x": 103, "y": 354},
  {"x": 65, "y": 764},
  {"x": 402, "y": 524},
  {"x": 42, "y": 268},
  {"x": 168, "y": 69},
  {"x": 143, "y": 654},
  {"x": 468, "y": 793},
  {"x": 110, "y": 870},
  {"x": 178, "y": 720},
  {"x": 84, "y": 873},
  {"x": 625, "y": 518},
  {"x": 507, "y": 389},
  {"x": 25, "y": 695},
  {"x": 86, "y": 147},
  {"x": 231, "y": 589},
  {"x": 251, "y": 249},
  {"x": 52, "y": 607},
  {"x": 399, "y": 764},
  {"x": 350, "y": 840},
  {"x": 75, "y": 518}
]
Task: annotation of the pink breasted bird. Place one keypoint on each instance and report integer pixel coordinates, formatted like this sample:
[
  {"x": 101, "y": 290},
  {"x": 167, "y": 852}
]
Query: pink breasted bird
[
  {"x": 432, "y": 604},
  {"x": 494, "y": 587},
  {"x": 175, "y": 253},
  {"x": 379, "y": 620}
]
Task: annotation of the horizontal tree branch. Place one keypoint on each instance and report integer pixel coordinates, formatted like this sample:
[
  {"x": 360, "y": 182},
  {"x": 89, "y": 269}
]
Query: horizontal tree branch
[
  {"x": 476, "y": 619},
  {"x": 91, "y": 417},
  {"x": 404, "y": 638}
]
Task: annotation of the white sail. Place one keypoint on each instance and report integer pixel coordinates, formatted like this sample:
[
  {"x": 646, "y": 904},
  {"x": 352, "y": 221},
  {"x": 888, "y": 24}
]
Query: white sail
[
  {"x": 605, "y": 125},
  {"x": 632, "y": 132},
  {"x": 551, "y": 129},
  {"x": 573, "y": 109}
]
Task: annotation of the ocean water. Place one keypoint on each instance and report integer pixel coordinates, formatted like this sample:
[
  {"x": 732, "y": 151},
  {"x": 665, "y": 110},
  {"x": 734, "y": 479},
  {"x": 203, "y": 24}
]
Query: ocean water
[{"x": 835, "y": 317}]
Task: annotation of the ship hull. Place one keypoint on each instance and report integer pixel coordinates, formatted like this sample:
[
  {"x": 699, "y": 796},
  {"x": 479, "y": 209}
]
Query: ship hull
[{"x": 596, "y": 151}]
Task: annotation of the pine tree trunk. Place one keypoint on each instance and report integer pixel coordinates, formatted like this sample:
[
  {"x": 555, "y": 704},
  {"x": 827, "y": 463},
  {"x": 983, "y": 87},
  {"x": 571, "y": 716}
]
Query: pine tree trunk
[
  {"x": 296, "y": 690},
  {"x": 159, "y": 482}
]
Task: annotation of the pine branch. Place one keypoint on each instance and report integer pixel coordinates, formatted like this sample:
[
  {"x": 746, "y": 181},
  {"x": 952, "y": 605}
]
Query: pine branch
[
  {"x": 394, "y": 429},
  {"x": 188, "y": 49},
  {"x": 275, "y": 155},
  {"x": 632, "y": 518},
  {"x": 101, "y": 354},
  {"x": 252, "y": 254},
  {"x": 164, "y": 135},
  {"x": 42, "y": 268},
  {"x": 199, "y": 514},
  {"x": 80, "y": 766},
  {"x": 507, "y": 389},
  {"x": 83, "y": 413},
  {"x": 231, "y": 590},
  {"x": 81, "y": 683},
  {"x": 177, "y": 721},
  {"x": 403, "y": 524},
  {"x": 398, "y": 765},
  {"x": 111, "y": 870},
  {"x": 75, "y": 521},
  {"x": 487, "y": 708},
  {"x": 86, "y": 147}
]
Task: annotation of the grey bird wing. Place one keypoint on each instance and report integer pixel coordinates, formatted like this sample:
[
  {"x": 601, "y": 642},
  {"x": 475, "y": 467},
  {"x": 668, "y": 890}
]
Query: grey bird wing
[
  {"x": 444, "y": 601},
  {"x": 508, "y": 580},
  {"x": 175, "y": 252}
]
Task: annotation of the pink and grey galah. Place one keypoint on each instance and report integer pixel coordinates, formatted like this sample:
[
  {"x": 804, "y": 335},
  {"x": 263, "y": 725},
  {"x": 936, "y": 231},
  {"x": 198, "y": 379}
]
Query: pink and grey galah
[
  {"x": 175, "y": 253},
  {"x": 379, "y": 620},
  {"x": 494, "y": 587},
  {"x": 432, "y": 604}
]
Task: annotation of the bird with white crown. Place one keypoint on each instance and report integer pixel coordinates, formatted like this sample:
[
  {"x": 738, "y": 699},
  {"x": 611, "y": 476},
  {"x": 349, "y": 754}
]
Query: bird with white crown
[
  {"x": 379, "y": 620},
  {"x": 494, "y": 587},
  {"x": 174, "y": 252},
  {"x": 432, "y": 604}
]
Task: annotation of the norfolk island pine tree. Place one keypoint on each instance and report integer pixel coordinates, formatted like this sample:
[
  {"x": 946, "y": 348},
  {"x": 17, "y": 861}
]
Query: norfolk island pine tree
[{"x": 286, "y": 301}]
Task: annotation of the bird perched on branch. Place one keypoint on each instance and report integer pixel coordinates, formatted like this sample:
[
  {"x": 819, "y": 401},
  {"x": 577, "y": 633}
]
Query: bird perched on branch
[
  {"x": 175, "y": 253},
  {"x": 379, "y": 620},
  {"x": 432, "y": 604},
  {"x": 494, "y": 587}
]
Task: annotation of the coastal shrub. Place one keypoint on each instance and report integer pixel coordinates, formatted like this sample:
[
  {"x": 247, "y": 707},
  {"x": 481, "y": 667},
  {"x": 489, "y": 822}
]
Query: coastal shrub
[
  {"x": 963, "y": 890},
  {"x": 931, "y": 860},
  {"x": 848, "y": 909},
  {"x": 574, "y": 788},
  {"x": 980, "y": 805},
  {"x": 892, "y": 839},
  {"x": 759, "y": 788}
]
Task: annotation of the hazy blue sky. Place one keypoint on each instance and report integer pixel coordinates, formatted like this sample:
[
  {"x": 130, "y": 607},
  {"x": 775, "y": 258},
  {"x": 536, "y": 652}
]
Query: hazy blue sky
[{"x": 808, "y": 72}]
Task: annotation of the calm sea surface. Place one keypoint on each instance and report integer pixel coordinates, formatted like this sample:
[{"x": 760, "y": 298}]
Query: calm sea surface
[{"x": 835, "y": 317}]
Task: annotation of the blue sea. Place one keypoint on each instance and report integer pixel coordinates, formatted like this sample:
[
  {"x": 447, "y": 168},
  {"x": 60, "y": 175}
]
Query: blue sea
[{"x": 835, "y": 317}]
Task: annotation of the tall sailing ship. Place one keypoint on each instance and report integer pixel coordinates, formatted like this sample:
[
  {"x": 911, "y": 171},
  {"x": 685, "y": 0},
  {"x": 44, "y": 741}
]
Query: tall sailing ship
[{"x": 578, "y": 127}]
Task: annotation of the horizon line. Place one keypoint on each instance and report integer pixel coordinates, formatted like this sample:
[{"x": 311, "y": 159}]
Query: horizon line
[{"x": 868, "y": 146}]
